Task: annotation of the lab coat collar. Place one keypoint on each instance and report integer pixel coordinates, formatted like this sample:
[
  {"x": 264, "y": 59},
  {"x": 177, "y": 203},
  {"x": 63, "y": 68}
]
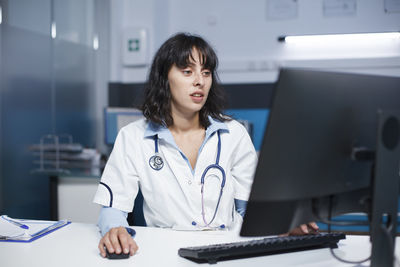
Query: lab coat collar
[
  {"x": 160, "y": 130},
  {"x": 215, "y": 126},
  {"x": 164, "y": 133}
]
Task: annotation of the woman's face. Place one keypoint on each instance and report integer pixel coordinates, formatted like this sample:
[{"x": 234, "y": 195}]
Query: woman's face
[{"x": 189, "y": 86}]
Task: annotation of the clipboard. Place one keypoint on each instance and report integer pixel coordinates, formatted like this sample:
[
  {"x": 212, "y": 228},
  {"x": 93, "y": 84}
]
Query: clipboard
[{"x": 25, "y": 231}]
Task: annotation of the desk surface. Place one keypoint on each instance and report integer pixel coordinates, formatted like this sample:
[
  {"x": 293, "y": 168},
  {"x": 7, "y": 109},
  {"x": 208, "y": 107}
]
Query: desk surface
[{"x": 76, "y": 245}]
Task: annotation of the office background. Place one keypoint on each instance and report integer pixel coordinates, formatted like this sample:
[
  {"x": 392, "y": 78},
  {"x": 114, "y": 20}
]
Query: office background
[{"x": 62, "y": 63}]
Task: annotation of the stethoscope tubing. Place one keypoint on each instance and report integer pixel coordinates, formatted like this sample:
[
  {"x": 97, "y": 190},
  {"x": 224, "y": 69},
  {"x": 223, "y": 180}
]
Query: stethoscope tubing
[{"x": 156, "y": 162}]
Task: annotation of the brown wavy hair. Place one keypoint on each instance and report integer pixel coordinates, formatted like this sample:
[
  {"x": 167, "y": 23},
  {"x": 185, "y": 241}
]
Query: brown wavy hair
[{"x": 178, "y": 50}]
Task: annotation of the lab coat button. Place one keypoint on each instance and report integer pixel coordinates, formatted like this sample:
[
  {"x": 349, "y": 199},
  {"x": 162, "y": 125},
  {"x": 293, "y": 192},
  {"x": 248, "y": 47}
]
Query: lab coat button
[{"x": 189, "y": 182}]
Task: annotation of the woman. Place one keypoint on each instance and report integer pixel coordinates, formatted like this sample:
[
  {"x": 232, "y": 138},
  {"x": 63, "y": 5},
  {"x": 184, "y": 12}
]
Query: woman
[{"x": 193, "y": 164}]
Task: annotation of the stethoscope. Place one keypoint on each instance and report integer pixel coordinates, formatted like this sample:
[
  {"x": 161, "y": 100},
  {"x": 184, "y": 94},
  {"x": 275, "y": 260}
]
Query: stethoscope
[{"x": 156, "y": 162}]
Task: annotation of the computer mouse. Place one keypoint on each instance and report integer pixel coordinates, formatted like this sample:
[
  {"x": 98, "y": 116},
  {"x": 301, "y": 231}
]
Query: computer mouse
[{"x": 115, "y": 256}]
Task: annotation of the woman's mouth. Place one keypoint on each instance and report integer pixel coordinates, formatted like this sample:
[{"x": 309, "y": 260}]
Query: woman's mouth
[{"x": 197, "y": 97}]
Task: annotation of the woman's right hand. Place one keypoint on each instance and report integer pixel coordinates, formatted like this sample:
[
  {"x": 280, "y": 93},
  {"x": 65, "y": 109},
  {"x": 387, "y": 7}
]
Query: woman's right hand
[
  {"x": 304, "y": 229},
  {"x": 117, "y": 240}
]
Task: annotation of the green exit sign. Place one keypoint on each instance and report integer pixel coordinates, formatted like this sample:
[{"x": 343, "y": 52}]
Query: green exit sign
[{"x": 133, "y": 45}]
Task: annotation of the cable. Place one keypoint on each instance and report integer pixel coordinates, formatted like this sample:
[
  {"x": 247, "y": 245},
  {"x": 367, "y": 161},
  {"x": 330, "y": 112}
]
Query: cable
[
  {"x": 386, "y": 231},
  {"x": 348, "y": 261},
  {"x": 329, "y": 222},
  {"x": 329, "y": 230}
]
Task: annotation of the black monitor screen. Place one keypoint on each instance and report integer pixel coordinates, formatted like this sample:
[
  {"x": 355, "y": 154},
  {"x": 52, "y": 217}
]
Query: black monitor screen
[{"x": 317, "y": 120}]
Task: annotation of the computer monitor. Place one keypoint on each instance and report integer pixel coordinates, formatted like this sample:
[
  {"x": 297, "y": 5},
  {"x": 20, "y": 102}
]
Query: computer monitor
[
  {"x": 331, "y": 147},
  {"x": 117, "y": 117}
]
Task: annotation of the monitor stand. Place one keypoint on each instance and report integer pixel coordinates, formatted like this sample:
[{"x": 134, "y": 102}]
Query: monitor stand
[{"x": 385, "y": 189}]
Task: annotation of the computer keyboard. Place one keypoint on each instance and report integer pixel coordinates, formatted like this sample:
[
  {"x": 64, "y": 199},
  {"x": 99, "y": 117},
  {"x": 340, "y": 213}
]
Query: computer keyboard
[{"x": 259, "y": 247}]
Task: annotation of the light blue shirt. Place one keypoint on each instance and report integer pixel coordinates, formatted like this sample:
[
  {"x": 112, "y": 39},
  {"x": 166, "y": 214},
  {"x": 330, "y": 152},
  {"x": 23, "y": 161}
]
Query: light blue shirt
[
  {"x": 111, "y": 217},
  {"x": 163, "y": 132}
]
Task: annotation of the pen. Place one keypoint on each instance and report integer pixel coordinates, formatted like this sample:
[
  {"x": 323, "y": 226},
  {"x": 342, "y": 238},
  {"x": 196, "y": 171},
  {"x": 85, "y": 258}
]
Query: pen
[
  {"x": 23, "y": 226},
  {"x": 51, "y": 227}
]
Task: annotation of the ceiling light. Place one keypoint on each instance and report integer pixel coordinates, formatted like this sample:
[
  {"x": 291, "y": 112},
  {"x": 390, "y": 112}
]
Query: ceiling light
[{"x": 339, "y": 38}]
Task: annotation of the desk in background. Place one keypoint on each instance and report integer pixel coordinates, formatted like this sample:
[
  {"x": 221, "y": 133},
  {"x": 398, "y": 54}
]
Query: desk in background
[
  {"x": 71, "y": 196},
  {"x": 76, "y": 245},
  {"x": 74, "y": 198}
]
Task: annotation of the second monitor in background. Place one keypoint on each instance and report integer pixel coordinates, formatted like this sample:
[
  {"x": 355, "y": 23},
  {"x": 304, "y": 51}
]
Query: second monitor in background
[{"x": 116, "y": 118}]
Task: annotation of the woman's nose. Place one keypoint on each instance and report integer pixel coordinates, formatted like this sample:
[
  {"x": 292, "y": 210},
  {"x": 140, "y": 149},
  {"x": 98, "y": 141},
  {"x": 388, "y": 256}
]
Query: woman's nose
[{"x": 198, "y": 80}]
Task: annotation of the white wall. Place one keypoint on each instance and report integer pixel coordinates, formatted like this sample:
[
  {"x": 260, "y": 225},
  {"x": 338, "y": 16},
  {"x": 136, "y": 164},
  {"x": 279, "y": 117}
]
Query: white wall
[
  {"x": 246, "y": 40},
  {"x": 125, "y": 14}
]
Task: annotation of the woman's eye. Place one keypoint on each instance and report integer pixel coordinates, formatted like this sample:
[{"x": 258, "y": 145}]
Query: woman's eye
[
  {"x": 187, "y": 72},
  {"x": 206, "y": 73}
]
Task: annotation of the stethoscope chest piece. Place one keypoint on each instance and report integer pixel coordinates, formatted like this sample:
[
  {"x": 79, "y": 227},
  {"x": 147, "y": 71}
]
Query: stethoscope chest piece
[{"x": 156, "y": 162}]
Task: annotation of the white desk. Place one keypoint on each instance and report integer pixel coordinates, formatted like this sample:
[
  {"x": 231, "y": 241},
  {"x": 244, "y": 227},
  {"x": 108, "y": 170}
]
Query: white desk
[{"x": 76, "y": 245}]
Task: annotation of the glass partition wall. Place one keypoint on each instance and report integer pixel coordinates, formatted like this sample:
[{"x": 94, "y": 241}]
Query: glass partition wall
[{"x": 47, "y": 87}]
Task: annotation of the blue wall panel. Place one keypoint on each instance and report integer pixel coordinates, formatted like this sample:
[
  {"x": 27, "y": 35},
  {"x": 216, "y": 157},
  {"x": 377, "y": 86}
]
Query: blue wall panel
[{"x": 257, "y": 117}]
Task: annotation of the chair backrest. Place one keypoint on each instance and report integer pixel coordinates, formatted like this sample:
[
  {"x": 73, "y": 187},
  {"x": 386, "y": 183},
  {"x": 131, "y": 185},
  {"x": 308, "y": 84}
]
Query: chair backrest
[{"x": 136, "y": 217}]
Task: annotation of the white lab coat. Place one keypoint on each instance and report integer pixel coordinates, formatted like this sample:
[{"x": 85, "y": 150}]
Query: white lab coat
[{"x": 172, "y": 195}]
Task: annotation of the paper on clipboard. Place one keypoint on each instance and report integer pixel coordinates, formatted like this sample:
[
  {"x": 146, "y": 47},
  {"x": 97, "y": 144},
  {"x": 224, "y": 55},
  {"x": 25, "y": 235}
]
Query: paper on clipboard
[{"x": 10, "y": 232}]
